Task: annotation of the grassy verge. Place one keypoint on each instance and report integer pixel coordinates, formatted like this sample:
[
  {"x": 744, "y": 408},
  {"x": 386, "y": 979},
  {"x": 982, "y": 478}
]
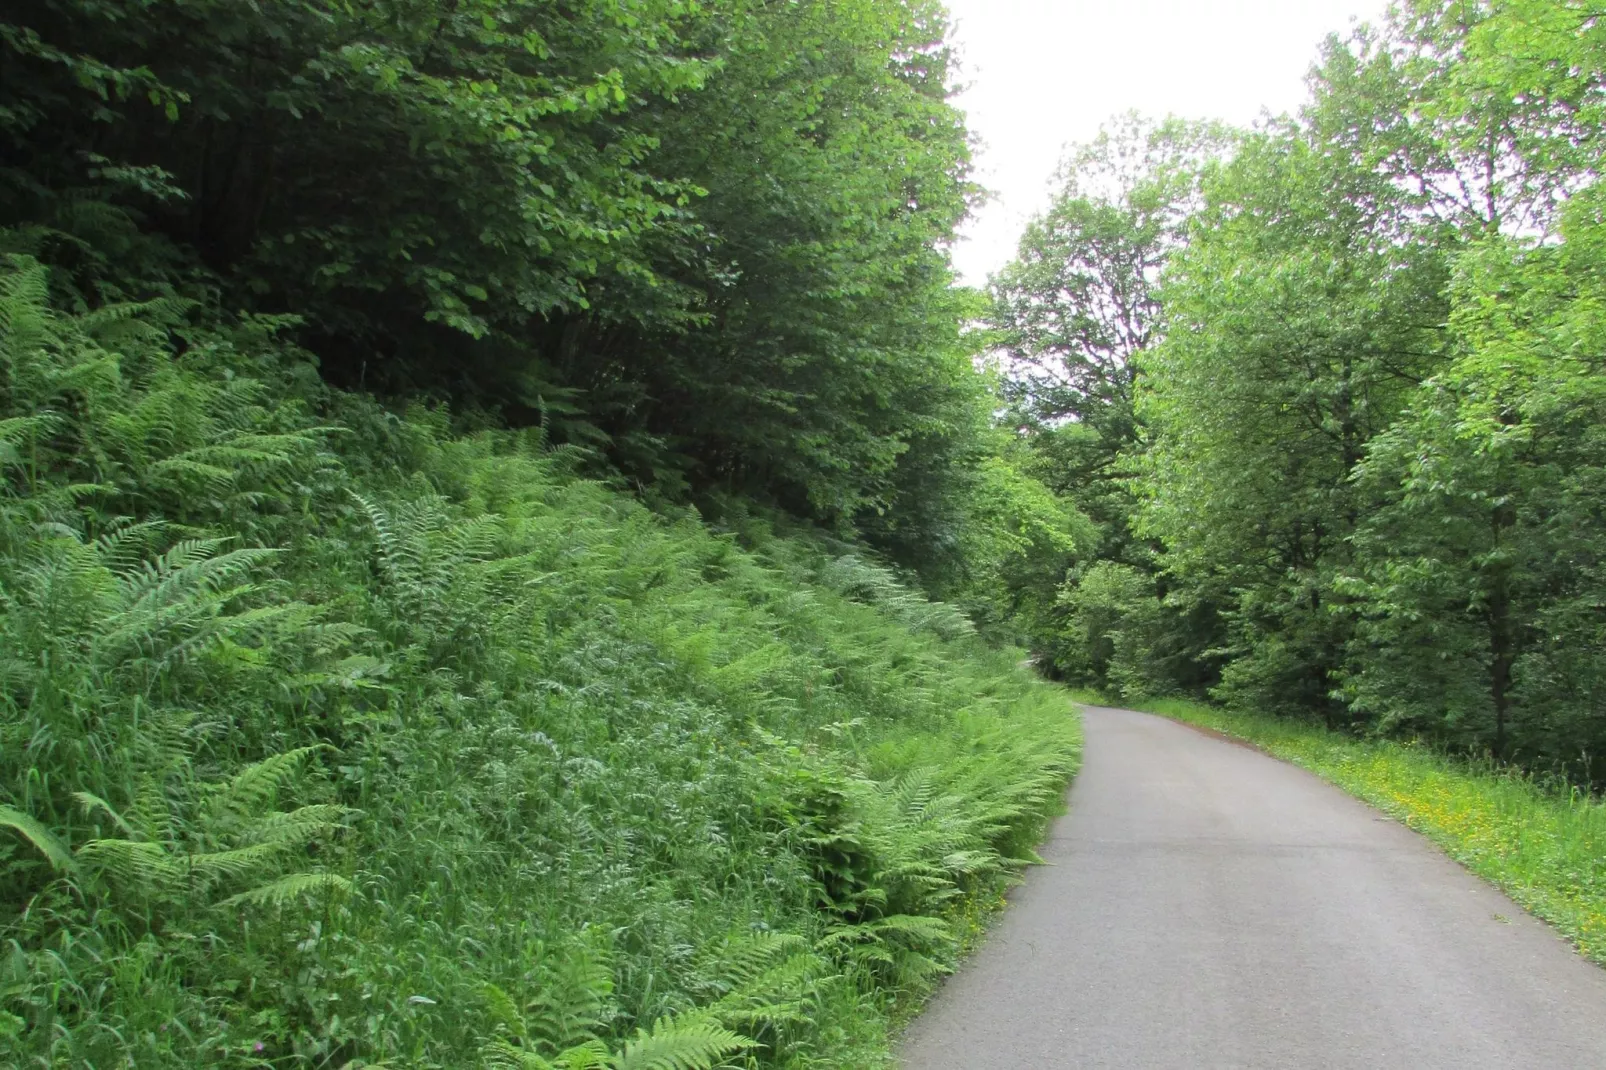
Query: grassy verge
[{"x": 1545, "y": 848}]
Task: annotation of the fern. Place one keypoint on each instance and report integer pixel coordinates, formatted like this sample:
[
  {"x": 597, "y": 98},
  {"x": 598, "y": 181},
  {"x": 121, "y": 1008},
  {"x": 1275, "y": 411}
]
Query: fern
[
  {"x": 505, "y": 1055},
  {"x": 558, "y": 1027},
  {"x": 907, "y": 948},
  {"x": 140, "y": 867},
  {"x": 540, "y": 685},
  {"x": 763, "y": 980},
  {"x": 573, "y": 996},
  {"x": 685, "y": 1043},
  {"x": 41, "y": 837},
  {"x": 17, "y": 430},
  {"x": 259, "y": 784},
  {"x": 292, "y": 886},
  {"x": 124, "y": 323},
  {"x": 681, "y": 1043},
  {"x": 125, "y": 547},
  {"x": 245, "y": 841},
  {"x": 217, "y": 467},
  {"x": 92, "y": 804},
  {"x": 856, "y": 578}
]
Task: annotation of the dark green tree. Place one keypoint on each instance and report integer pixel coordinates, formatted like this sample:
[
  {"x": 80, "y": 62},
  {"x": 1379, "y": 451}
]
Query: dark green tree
[
  {"x": 707, "y": 241},
  {"x": 1478, "y": 580}
]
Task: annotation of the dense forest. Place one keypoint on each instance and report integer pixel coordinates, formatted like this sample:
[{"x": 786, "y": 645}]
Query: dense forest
[
  {"x": 516, "y": 550},
  {"x": 1332, "y": 391}
]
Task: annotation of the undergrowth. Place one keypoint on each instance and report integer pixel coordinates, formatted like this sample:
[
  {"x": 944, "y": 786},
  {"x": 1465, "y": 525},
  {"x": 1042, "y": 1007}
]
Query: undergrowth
[
  {"x": 331, "y": 738},
  {"x": 1543, "y": 843}
]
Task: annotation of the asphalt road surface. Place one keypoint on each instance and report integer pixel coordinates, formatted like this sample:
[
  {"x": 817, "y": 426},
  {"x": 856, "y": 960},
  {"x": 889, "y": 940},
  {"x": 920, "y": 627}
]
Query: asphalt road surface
[{"x": 1208, "y": 906}]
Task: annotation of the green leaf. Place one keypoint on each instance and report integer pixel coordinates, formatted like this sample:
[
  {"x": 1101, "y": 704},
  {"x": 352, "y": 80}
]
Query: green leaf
[{"x": 41, "y": 837}]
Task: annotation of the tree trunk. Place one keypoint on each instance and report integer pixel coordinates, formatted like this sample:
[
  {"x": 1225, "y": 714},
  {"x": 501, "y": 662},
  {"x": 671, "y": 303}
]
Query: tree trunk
[
  {"x": 1502, "y": 641},
  {"x": 1500, "y": 646}
]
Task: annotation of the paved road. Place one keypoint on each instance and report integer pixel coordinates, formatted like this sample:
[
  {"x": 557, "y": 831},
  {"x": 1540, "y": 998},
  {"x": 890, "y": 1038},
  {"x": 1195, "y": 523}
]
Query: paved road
[{"x": 1208, "y": 906}]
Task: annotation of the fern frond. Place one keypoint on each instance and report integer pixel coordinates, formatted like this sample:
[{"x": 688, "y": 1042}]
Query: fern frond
[
  {"x": 917, "y": 926},
  {"x": 123, "y": 548},
  {"x": 504, "y": 1012},
  {"x": 476, "y": 539},
  {"x": 37, "y": 834},
  {"x": 220, "y": 463},
  {"x": 593, "y": 1055},
  {"x": 27, "y": 322},
  {"x": 136, "y": 863},
  {"x": 780, "y": 994},
  {"x": 234, "y": 864},
  {"x": 359, "y": 672},
  {"x": 911, "y": 928},
  {"x": 573, "y": 999},
  {"x": 680, "y": 1044},
  {"x": 501, "y": 1055},
  {"x": 132, "y": 321},
  {"x": 19, "y": 429},
  {"x": 292, "y": 886},
  {"x": 90, "y": 803},
  {"x": 297, "y": 826},
  {"x": 393, "y": 556},
  {"x": 28, "y": 285},
  {"x": 195, "y": 473},
  {"x": 327, "y": 637},
  {"x": 744, "y": 957},
  {"x": 257, "y": 785}
]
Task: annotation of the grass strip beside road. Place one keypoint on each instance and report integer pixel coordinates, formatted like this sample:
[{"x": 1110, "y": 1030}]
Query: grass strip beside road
[{"x": 1544, "y": 846}]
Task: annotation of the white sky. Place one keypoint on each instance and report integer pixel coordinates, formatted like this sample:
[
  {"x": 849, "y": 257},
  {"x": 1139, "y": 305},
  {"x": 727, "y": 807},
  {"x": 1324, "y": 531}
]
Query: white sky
[{"x": 1046, "y": 73}]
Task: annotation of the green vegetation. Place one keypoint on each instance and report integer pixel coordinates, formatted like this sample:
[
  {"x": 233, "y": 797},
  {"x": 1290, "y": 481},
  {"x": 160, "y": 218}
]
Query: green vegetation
[
  {"x": 1332, "y": 392},
  {"x": 1543, "y": 842},
  {"x": 705, "y": 241},
  {"x": 509, "y": 556},
  {"x": 470, "y": 478},
  {"x": 331, "y": 739}
]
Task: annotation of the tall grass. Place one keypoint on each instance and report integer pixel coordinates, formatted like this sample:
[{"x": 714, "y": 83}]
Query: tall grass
[
  {"x": 331, "y": 738},
  {"x": 1543, "y": 843}
]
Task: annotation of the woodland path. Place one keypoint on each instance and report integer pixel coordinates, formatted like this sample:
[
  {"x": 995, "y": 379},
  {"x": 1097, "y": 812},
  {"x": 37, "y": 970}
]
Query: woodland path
[{"x": 1209, "y": 906}]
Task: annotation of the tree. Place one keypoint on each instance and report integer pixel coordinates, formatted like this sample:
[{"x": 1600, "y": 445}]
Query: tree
[
  {"x": 704, "y": 241},
  {"x": 1080, "y": 303},
  {"x": 1305, "y": 308},
  {"x": 1071, "y": 319},
  {"x": 829, "y": 344},
  {"x": 409, "y": 175},
  {"x": 1374, "y": 414},
  {"x": 1478, "y": 581}
]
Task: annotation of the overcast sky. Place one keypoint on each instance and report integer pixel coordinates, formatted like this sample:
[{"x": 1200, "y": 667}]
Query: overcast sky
[{"x": 1045, "y": 73}]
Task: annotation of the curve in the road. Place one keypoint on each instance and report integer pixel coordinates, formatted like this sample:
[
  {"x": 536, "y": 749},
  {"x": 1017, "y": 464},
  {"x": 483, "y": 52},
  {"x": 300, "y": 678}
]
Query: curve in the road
[{"x": 1208, "y": 906}]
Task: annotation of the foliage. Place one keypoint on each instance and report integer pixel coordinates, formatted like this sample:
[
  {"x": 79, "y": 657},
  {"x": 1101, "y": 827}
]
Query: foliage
[
  {"x": 1364, "y": 484},
  {"x": 333, "y": 737},
  {"x": 1379, "y": 449},
  {"x": 1115, "y": 631},
  {"x": 1482, "y": 550},
  {"x": 1072, "y": 321},
  {"x": 341, "y": 734},
  {"x": 1080, "y": 303},
  {"x": 1298, "y": 317},
  {"x": 703, "y": 238},
  {"x": 835, "y": 171}
]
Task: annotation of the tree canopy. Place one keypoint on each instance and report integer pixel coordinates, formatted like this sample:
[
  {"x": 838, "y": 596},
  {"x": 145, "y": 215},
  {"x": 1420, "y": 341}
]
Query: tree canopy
[
  {"x": 705, "y": 240},
  {"x": 1363, "y": 453}
]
